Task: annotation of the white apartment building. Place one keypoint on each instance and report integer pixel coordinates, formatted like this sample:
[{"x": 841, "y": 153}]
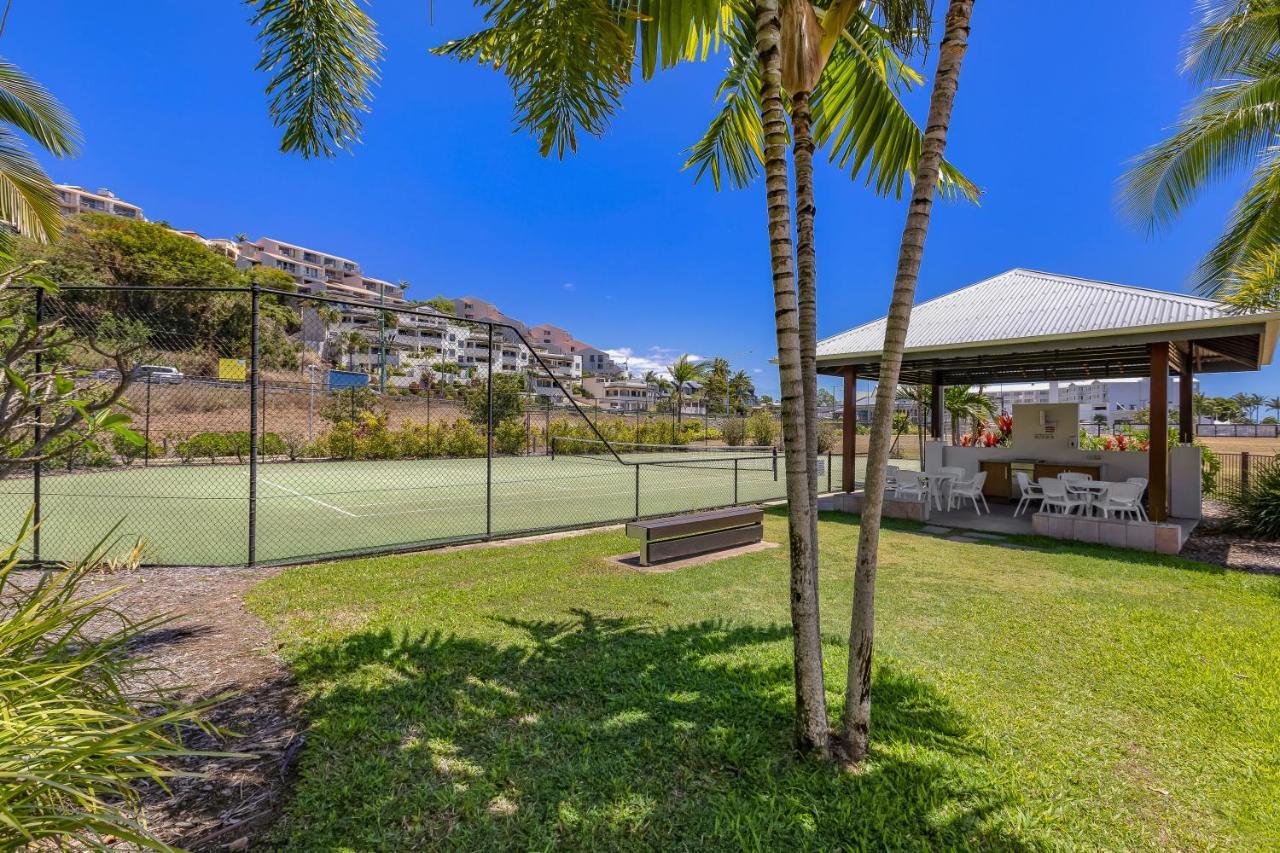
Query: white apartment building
[
  {"x": 566, "y": 368},
  {"x": 73, "y": 199},
  {"x": 1113, "y": 399},
  {"x": 619, "y": 395}
]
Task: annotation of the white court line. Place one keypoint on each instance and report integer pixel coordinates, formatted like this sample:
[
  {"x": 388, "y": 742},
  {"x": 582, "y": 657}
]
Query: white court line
[{"x": 299, "y": 494}]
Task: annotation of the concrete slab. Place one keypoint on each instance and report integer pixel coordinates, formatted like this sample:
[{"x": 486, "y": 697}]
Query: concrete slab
[
  {"x": 981, "y": 534},
  {"x": 935, "y": 529}
]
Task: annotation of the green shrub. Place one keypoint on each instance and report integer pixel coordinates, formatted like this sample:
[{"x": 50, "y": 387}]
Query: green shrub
[
  {"x": 762, "y": 429},
  {"x": 237, "y": 443},
  {"x": 130, "y": 450},
  {"x": 272, "y": 445},
  {"x": 828, "y": 437},
  {"x": 734, "y": 431},
  {"x": 79, "y": 731},
  {"x": 1256, "y": 510},
  {"x": 509, "y": 437},
  {"x": 204, "y": 444},
  {"x": 465, "y": 440}
]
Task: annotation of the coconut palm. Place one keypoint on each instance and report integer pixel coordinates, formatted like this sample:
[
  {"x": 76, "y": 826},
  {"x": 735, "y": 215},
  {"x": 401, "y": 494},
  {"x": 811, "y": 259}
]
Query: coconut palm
[
  {"x": 351, "y": 343},
  {"x": 856, "y": 730},
  {"x": 966, "y": 405},
  {"x": 1232, "y": 126},
  {"x": 740, "y": 388},
  {"x": 684, "y": 371},
  {"x": 919, "y": 396},
  {"x": 1273, "y": 403},
  {"x": 28, "y": 199}
]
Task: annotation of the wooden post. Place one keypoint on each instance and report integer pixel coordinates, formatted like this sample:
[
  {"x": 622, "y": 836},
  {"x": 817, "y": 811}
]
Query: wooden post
[
  {"x": 935, "y": 411},
  {"x": 849, "y": 433},
  {"x": 1158, "y": 450},
  {"x": 1186, "y": 382}
]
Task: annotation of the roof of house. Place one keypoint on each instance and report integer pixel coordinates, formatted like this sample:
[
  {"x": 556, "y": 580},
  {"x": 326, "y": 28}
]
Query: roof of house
[{"x": 1026, "y": 311}]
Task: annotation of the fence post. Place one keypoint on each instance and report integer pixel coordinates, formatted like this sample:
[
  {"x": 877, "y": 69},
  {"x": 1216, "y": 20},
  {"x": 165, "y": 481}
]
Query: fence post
[
  {"x": 37, "y": 467},
  {"x": 146, "y": 426},
  {"x": 1244, "y": 471},
  {"x": 488, "y": 460},
  {"x": 351, "y": 454},
  {"x": 735, "y": 481},
  {"x": 830, "y": 457},
  {"x": 546, "y": 435},
  {"x": 774, "y": 448},
  {"x": 253, "y": 428},
  {"x": 637, "y": 491}
]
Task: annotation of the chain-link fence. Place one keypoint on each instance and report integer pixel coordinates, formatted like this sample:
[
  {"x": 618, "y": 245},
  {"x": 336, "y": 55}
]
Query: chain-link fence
[{"x": 279, "y": 427}]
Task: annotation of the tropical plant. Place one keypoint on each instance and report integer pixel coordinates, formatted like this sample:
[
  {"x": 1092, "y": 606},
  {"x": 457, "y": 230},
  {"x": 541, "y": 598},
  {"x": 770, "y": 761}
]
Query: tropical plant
[
  {"x": 350, "y": 343},
  {"x": 741, "y": 388},
  {"x": 1233, "y": 53},
  {"x": 965, "y": 404},
  {"x": 28, "y": 199},
  {"x": 1273, "y": 403},
  {"x": 1255, "y": 508},
  {"x": 508, "y": 399},
  {"x": 856, "y": 731},
  {"x": 684, "y": 372},
  {"x": 920, "y": 396}
]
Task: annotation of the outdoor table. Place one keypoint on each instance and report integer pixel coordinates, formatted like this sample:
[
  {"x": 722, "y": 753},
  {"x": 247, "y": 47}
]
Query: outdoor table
[
  {"x": 943, "y": 481},
  {"x": 1090, "y": 490}
]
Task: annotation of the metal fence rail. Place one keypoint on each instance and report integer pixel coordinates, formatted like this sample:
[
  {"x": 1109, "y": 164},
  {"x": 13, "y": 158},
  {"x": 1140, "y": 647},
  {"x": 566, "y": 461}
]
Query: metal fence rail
[
  {"x": 1237, "y": 470},
  {"x": 251, "y": 454}
]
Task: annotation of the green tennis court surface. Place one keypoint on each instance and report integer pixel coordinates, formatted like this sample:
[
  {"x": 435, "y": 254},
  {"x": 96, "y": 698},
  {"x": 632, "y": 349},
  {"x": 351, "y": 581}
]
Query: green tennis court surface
[{"x": 198, "y": 514}]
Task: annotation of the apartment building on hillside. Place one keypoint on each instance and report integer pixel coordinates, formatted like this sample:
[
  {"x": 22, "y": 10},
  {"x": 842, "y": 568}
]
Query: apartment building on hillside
[
  {"x": 619, "y": 395},
  {"x": 73, "y": 199},
  {"x": 595, "y": 361}
]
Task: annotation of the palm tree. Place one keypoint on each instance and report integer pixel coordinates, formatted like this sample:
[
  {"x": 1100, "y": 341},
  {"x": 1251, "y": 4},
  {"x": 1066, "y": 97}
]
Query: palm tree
[
  {"x": 1273, "y": 403},
  {"x": 740, "y": 388},
  {"x": 920, "y": 397},
  {"x": 28, "y": 199},
  {"x": 966, "y": 404},
  {"x": 684, "y": 371},
  {"x": 352, "y": 343},
  {"x": 856, "y": 731},
  {"x": 1255, "y": 402},
  {"x": 1233, "y": 126}
]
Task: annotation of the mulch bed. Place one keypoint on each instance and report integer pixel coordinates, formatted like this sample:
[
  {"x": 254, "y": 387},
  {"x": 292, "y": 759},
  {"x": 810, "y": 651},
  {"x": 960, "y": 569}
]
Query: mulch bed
[
  {"x": 1212, "y": 543},
  {"x": 213, "y": 647}
]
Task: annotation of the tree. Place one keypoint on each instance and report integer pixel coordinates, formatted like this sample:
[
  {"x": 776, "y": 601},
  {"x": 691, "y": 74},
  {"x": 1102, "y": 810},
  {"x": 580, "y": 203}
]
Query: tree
[
  {"x": 964, "y": 404},
  {"x": 826, "y": 398},
  {"x": 508, "y": 399},
  {"x": 919, "y": 396},
  {"x": 1233, "y": 126},
  {"x": 857, "y": 701},
  {"x": 443, "y": 304},
  {"x": 351, "y": 343},
  {"x": 684, "y": 372},
  {"x": 740, "y": 389},
  {"x": 1273, "y": 403}
]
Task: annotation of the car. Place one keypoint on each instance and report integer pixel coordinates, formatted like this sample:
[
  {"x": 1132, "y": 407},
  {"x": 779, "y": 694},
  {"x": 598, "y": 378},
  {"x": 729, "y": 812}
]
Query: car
[
  {"x": 158, "y": 374},
  {"x": 105, "y": 374}
]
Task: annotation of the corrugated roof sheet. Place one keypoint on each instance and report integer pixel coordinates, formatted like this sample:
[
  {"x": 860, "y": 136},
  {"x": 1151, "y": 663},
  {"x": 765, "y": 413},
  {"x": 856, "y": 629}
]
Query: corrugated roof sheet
[{"x": 1028, "y": 304}]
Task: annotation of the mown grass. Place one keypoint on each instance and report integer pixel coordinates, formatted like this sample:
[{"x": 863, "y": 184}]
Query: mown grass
[{"x": 537, "y": 696}]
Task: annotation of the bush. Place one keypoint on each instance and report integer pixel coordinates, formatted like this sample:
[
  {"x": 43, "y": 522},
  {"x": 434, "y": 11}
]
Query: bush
[
  {"x": 130, "y": 450},
  {"x": 78, "y": 732},
  {"x": 734, "y": 431},
  {"x": 204, "y": 444},
  {"x": 509, "y": 437},
  {"x": 465, "y": 440},
  {"x": 762, "y": 429},
  {"x": 1256, "y": 510},
  {"x": 828, "y": 437}
]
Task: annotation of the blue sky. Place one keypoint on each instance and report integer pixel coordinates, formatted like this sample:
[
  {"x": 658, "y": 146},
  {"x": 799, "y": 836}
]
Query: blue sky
[{"x": 617, "y": 243}]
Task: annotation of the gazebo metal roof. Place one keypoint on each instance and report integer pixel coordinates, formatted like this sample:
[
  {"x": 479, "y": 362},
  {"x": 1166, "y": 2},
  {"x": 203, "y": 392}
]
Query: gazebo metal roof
[{"x": 1024, "y": 325}]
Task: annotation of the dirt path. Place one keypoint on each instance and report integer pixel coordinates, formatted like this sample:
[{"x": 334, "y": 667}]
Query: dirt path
[{"x": 214, "y": 646}]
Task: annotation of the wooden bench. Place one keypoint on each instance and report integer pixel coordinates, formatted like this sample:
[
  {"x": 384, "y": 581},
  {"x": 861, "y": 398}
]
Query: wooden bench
[{"x": 700, "y": 533}]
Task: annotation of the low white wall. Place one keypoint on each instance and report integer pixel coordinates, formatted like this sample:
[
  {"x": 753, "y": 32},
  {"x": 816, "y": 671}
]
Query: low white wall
[{"x": 1116, "y": 465}]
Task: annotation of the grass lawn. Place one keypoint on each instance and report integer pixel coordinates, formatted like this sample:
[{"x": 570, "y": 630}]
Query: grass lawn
[{"x": 535, "y": 696}]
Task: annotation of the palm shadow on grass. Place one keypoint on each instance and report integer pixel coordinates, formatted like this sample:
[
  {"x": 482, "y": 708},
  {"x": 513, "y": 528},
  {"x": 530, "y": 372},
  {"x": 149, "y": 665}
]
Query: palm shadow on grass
[{"x": 606, "y": 734}]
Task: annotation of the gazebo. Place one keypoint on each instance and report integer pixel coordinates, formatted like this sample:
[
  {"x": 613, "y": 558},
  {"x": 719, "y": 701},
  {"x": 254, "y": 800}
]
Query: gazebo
[{"x": 1024, "y": 326}]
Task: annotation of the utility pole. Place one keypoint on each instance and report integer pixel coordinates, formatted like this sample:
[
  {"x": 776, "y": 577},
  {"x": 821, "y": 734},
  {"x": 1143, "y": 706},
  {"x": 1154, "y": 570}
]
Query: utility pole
[{"x": 382, "y": 338}]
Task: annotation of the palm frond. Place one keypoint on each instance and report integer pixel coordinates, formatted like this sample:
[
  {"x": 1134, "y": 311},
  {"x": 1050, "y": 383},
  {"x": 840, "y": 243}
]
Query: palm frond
[
  {"x": 28, "y": 200},
  {"x": 668, "y": 32},
  {"x": 30, "y": 107},
  {"x": 732, "y": 147},
  {"x": 857, "y": 112},
  {"x": 323, "y": 57},
  {"x": 1252, "y": 231},
  {"x": 1225, "y": 130},
  {"x": 567, "y": 62},
  {"x": 1231, "y": 34}
]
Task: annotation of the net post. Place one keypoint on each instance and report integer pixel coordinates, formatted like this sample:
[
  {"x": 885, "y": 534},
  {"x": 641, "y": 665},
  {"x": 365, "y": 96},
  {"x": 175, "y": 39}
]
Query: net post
[
  {"x": 830, "y": 457},
  {"x": 351, "y": 454},
  {"x": 146, "y": 426},
  {"x": 735, "y": 481},
  {"x": 637, "y": 491},
  {"x": 775, "y": 462},
  {"x": 488, "y": 456},
  {"x": 36, "y": 466},
  {"x": 253, "y": 427}
]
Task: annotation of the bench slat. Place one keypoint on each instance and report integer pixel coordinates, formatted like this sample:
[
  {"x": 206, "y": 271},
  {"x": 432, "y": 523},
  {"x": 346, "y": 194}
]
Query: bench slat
[
  {"x": 703, "y": 543},
  {"x": 683, "y": 525}
]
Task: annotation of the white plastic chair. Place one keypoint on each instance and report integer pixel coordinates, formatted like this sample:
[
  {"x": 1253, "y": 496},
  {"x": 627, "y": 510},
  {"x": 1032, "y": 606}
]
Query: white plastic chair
[
  {"x": 1122, "y": 499},
  {"x": 971, "y": 489},
  {"x": 891, "y": 481},
  {"x": 1140, "y": 481},
  {"x": 1068, "y": 476},
  {"x": 1029, "y": 491},
  {"x": 1056, "y": 496},
  {"x": 915, "y": 487}
]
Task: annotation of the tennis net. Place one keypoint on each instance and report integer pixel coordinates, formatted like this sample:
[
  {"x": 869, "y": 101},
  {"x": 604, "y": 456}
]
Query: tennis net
[{"x": 701, "y": 457}]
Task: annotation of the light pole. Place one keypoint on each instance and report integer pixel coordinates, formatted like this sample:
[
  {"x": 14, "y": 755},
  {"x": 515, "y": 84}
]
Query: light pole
[{"x": 382, "y": 338}]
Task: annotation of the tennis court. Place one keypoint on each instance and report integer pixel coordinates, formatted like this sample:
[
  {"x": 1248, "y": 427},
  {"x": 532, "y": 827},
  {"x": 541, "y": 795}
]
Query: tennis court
[{"x": 197, "y": 514}]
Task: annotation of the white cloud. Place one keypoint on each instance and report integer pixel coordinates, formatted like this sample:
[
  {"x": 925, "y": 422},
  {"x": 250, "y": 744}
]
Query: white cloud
[
  {"x": 568, "y": 285},
  {"x": 757, "y": 370},
  {"x": 655, "y": 358}
]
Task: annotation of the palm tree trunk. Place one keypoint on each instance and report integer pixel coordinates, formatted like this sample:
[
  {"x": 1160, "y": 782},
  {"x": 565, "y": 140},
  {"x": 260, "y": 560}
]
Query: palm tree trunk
[
  {"x": 812, "y": 728},
  {"x": 857, "y": 703}
]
